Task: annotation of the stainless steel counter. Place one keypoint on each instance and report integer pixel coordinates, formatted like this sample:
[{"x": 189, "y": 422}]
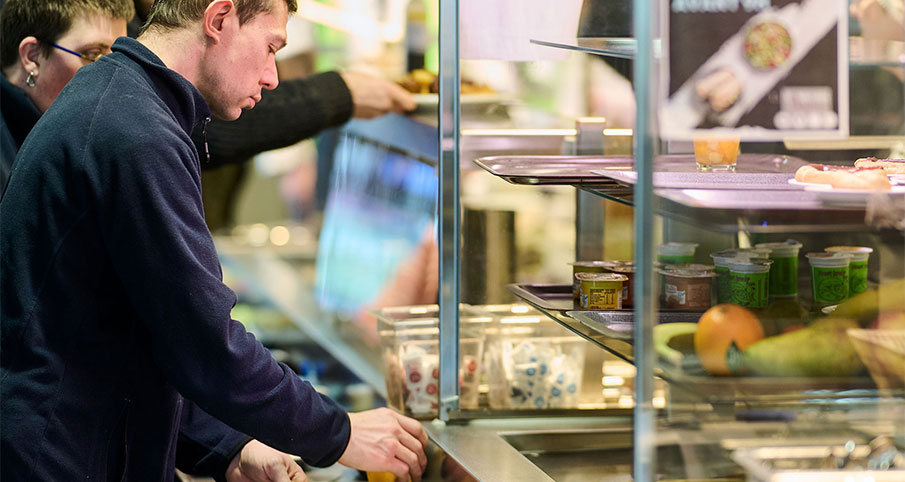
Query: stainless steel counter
[{"x": 535, "y": 449}]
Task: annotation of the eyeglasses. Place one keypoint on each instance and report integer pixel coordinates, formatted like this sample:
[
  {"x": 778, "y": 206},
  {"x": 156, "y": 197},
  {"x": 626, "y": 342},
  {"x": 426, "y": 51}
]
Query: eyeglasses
[{"x": 90, "y": 56}]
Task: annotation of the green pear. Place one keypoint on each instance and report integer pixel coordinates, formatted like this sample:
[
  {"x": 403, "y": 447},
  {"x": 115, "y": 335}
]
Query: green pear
[
  {"x": 866, "y": 306},
  {"x": 822, "y": 349}
]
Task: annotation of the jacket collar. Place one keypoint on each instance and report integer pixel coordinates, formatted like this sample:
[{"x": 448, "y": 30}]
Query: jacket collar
[
  {"x": 181, "y": 97},
  {"x": 19, "y": 114}
]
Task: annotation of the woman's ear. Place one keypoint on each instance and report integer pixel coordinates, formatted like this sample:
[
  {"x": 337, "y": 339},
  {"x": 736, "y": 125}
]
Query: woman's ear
[{"x": 31, "y": 54}]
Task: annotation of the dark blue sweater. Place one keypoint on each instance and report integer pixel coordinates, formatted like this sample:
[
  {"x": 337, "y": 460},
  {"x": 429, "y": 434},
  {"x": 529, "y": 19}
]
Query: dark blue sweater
[{"x": 112, "y": 305}]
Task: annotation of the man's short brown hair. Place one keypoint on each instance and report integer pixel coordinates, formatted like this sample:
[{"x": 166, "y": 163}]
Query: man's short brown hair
[
  {"x": 48, "y": 20},
  {"x": 174, "y": 14}
]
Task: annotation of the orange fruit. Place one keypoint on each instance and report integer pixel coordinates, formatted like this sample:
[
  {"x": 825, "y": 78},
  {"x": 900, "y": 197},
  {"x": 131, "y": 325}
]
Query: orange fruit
[{"x": 721, "y": 327}]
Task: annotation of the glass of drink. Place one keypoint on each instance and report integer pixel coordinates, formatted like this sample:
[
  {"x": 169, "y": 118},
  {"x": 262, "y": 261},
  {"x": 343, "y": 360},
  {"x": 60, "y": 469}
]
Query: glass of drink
[{"x": 716, "y": 153}]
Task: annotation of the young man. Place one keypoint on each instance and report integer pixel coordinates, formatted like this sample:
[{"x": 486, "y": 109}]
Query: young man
[{"x": 111, "y": 296}]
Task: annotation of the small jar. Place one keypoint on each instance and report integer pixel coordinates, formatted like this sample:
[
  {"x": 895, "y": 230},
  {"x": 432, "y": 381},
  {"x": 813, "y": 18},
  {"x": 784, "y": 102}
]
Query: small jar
[
  {"x": 829, "y": 277},
  {"x": 857, "y": 267},
  {"x": 749, "y": 282}
]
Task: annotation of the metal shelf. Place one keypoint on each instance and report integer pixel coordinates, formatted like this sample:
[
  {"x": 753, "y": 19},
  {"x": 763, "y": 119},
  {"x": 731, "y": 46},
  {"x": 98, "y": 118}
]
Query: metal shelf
[
  {"x": 278, "y": 281},
  {"x": 623, "y": 48},
  {"x": 757, "y": 198}
]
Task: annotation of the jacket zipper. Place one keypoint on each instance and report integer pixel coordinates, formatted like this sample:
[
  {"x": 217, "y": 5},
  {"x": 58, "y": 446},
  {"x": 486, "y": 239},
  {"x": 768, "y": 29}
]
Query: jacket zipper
[{"x": 207, "y": 152}]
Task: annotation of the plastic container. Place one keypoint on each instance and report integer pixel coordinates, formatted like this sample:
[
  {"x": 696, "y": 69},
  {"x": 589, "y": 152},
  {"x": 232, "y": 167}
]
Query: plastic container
[
  {"x": 676, "y": 253},
  {"x": 588, "y": 267},
  {"x": 857, "y": 268},
  {"x": 721, "y": 261},
  {"x": 601, "y": 291},
  {"x": 411, "y": 357},
  {"x": 829, "y": 277},
  {"x": 784, "y": 271},
  {"x": 688, "y": 286},
  {"x": 532, "y": 363},
  {"x": 749, "y": 282}
]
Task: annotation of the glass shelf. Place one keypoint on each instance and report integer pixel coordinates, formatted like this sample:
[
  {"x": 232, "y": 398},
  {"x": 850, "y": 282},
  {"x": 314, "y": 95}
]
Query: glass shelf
[{"x": 714, "y": 390}]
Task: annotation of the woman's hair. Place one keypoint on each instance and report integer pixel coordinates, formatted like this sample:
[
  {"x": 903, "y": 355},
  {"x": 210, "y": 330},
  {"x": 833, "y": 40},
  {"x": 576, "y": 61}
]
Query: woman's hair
[
  {"x": 174, "y": 14},
  {"x": 48, "y": 20}
]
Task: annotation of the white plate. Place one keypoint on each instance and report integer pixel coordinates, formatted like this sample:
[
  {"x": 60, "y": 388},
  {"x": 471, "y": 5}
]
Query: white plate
[
  {"x": 831, "y": 196},
  {"x": 859, "y": 192},
  {"x": 475, "y": 99},
  {"x": 799, "y": 183}
]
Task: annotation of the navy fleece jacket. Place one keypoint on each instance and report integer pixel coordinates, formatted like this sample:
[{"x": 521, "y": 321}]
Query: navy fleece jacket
[{"x": 112, "y": 305}]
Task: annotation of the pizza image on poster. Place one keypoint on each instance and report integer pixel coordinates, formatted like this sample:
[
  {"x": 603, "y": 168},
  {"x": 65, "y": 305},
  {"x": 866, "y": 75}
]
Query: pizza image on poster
[{"x": 760, "y": 69}]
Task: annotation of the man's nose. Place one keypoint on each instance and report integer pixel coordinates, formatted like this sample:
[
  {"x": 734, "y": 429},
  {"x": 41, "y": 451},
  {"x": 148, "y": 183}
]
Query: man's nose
[{"x": 270, "y": 80}]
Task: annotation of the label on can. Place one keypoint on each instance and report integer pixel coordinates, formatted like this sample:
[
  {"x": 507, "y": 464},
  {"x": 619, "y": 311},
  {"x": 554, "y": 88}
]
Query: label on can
[{"x": 829, "y": 285}]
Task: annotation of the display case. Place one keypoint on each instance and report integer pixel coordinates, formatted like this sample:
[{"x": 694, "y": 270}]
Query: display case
[{"x": 777, "y": 382}]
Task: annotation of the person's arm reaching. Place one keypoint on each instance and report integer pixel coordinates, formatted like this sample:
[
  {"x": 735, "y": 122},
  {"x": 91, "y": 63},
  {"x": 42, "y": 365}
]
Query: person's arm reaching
[{"x": 297, "y": 110}]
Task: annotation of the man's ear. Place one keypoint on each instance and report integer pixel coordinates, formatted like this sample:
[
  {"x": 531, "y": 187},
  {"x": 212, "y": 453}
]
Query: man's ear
[
  {"x": 31, "y": 54},
  {"x": 219, "y": 15}
]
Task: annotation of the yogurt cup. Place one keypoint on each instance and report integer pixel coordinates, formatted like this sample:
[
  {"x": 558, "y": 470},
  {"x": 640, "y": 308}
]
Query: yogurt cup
[
  {"x": 857, "y": 268},
  {"x": 784, "y": 271},
  {"x": 676, "y": 253},
  {"x": 829, "y": 277},
  {"x": 601, "y": 291},
  {"x": 588, "y": 267},
  {"x": 721, "y": 260},
  {"x": 749, "y": 282},
  {"x": 688, "y": 287}
]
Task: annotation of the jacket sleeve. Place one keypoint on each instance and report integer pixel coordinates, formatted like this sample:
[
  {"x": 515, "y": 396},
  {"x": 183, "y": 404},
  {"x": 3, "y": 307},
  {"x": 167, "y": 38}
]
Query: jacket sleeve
[
  {"x": 152, "y": 225},
  {"x": 294, "y": 111},
  {"x": 206, "y": 445}
]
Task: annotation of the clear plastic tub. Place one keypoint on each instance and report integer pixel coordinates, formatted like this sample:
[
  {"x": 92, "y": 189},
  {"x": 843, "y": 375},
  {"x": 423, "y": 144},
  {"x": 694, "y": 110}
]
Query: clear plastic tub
[
  {"x": 411, "y": 357},
  {"x": 532, "y": 363}
]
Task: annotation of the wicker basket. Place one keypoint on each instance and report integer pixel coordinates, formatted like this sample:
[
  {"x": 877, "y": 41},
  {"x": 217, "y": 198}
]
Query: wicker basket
[{"x": 883, "y": 353}]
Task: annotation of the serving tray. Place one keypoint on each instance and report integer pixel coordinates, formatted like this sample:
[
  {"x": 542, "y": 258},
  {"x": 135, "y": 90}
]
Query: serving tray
[{"x": 564, "y": 170}]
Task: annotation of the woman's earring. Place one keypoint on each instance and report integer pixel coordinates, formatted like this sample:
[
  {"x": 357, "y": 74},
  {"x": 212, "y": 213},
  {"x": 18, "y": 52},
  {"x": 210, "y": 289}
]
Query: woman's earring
[{"x": 30, "y": 80}]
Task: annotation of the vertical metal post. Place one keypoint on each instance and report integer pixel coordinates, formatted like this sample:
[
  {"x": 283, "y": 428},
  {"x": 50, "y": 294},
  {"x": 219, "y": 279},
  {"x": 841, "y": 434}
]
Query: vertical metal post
[
  {"x": 645, "y": 462},
  {"x": 448, "y": 172}
]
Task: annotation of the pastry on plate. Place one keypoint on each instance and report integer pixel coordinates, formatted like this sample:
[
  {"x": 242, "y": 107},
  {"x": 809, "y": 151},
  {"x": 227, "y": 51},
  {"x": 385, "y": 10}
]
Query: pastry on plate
[
  {"x": 844, "y": 177},
  {"x": 891, "y": 166}
]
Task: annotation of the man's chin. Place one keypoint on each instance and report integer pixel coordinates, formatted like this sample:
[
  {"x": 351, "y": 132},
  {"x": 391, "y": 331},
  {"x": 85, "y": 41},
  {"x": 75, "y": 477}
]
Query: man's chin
[{"x": 228, "y": 115}]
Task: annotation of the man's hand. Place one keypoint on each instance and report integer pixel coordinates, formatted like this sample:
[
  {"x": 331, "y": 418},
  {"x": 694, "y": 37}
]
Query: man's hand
[
  {"x": 385, "y": 441},
  {"x": 257, "y": 462},
  {"x": 374, "y": 97}
]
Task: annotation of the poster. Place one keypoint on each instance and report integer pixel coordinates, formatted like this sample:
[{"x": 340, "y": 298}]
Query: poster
[{"x": 762, "y": 70}]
